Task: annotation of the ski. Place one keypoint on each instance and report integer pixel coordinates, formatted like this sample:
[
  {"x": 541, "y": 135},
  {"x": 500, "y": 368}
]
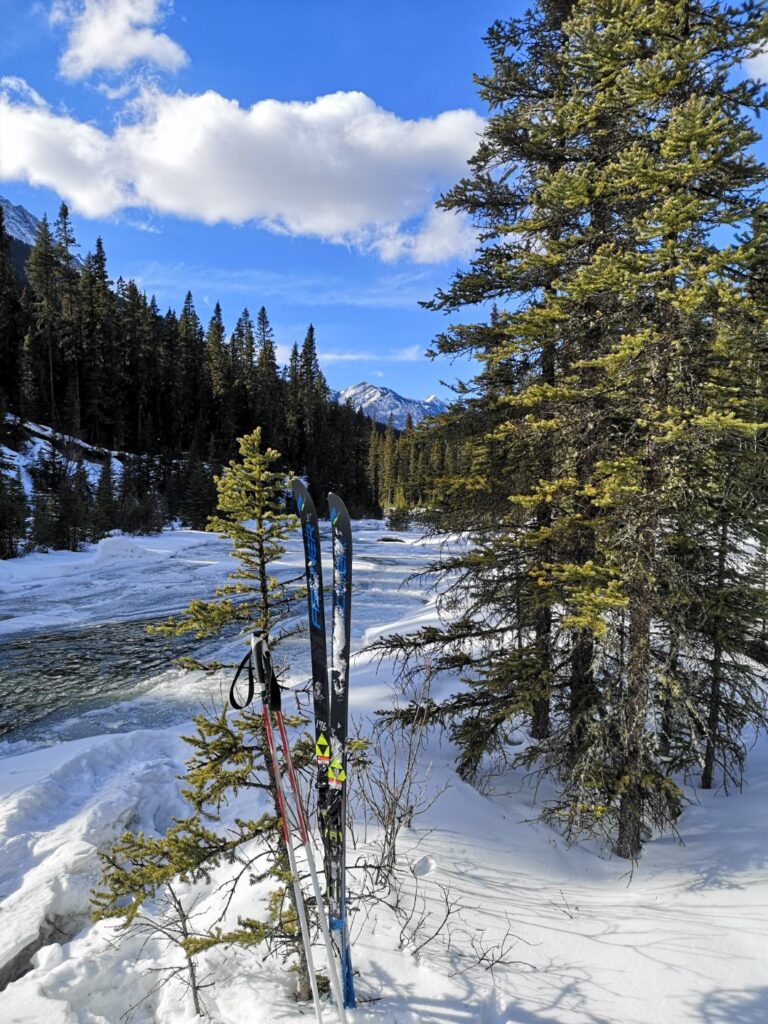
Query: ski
[
  {"x": 294, "y": 821},
  {"x": 330, "y": 704},
  {"x": 310, "y": 533},
  {"x": 341, "y": 537}
]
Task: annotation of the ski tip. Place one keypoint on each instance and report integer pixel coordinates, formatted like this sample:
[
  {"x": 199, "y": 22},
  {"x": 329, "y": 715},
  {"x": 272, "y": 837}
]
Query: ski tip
[
  {"x": 301, "y": 495},
  {"x": 337, "y": 507}
]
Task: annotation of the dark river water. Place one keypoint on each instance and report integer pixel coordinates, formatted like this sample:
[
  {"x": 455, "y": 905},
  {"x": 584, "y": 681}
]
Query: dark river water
[
  {"x": 58, "y": 685},
  {"x": 46, "y": 678}
]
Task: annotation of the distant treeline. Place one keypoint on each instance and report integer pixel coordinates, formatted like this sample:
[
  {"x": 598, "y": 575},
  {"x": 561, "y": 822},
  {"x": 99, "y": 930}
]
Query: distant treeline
[{"x": 100, "y": 362}]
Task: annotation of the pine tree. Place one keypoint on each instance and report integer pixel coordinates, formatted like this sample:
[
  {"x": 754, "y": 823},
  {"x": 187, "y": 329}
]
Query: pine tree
[
  {"x": 199, "y": 501},
  {"x": 294, "y": 417},
  {"x": 13, "y": 513},
  {"x": 269, "y": 387},
  {"x": 249, "y": 491},
  {"x": 619, "y": 210},
  {"x": 313, "y": 411},
  {"x": 243, "y": 349},
  {"x": 69, "y": 335},
  {"x": 229, "y": 754},
  {"x": 41, "y": 354},
  {"x": 97, "y": 325},
  {"x": 103, "y": 518},
  {"x": 220, "y": 376},
  {"x": 10, "y": 323}
]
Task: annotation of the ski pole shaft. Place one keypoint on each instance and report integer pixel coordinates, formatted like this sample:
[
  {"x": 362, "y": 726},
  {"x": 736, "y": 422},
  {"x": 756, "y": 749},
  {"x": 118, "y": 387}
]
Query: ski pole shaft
[
  {"x": 298, "y": 893},
  {"x": 333, "y": 972}
]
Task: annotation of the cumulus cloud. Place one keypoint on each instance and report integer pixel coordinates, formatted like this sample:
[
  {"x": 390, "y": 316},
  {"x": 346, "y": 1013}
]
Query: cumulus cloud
[
  {"x": 338, "y": 168},
  {"x": 757, "y": 67},
  {"x": 111, "y": 35},
  {"x": 387, "y": 291},
  {"x": 441, "y": 236},
  {"x": 411, "y": 354}
]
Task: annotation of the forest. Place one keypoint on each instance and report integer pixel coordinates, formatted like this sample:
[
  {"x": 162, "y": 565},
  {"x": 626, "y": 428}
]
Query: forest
[
  {"x": 606, "y": 463},
  {"x": 97, "y": 361}
]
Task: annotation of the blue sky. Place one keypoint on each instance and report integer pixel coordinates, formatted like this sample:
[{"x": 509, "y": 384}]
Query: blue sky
[{"x": 258, "y": 153}]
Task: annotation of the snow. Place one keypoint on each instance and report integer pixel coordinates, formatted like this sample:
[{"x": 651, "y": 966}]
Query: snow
[
  {"x": 37, "y": 441},
  {"x": 681, "y": 938},
  {"x": 19, "y": 222},
  {"x": 382, "y": 403}
]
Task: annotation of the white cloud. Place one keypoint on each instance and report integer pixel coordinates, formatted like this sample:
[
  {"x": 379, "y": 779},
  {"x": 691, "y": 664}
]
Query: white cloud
[
  {"x": 441, "y": 236},
  {"x": 345, "y": 357},
  {"x": 338, "y": 168},
  {"x": 757, "y": 67},
  {"x": 411, "y": 354},
  {"x": 111, "y": 35},
  {"x": 402, "y": 290}
]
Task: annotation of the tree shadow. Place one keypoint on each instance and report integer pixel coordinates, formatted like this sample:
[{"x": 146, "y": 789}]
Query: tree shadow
[{"x": 730, "y": 1006}]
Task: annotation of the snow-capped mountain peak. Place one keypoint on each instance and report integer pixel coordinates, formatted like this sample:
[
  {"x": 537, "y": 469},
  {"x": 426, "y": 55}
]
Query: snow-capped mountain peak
[
  {"x": 381, "y": 403},
  {"x": 19, "y": 222}
]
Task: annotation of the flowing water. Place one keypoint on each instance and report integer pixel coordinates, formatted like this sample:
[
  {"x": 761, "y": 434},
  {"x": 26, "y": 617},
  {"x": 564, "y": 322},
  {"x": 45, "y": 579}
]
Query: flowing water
[
  {"x": 96, "y": 677},
  {"x": 46, "y": 678}
]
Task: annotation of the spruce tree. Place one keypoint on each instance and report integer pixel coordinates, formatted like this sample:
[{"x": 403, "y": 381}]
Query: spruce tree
[
  {"x": 10, "y": 323},
  {"x": 14, "y": 511},
  {"x": 103, "y": 518},
  {"x": 229, "y": 753},
  {"x": 620, "y": 214},
  {"x": 41, "y": 353},
  {"x": 269, "y": 386}
]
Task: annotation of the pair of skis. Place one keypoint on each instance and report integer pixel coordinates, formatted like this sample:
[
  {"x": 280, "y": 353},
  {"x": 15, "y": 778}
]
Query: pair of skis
[
  {"x": 331, "y": 703},
  {"x": 293, "y": 816},
  {"x": 331, "y": 718}
]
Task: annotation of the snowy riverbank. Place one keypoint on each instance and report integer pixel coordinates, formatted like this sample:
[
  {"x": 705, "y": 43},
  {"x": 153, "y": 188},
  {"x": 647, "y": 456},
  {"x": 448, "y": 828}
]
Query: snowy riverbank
[{"x": 685, "y": 939}]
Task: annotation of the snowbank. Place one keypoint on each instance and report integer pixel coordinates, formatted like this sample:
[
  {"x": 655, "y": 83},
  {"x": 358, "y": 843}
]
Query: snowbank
[{"x": 538, "y": 933}]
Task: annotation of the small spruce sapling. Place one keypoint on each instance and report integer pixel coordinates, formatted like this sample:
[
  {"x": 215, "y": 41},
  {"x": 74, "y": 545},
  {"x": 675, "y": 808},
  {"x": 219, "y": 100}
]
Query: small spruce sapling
[{"x": 229, "y": 753}]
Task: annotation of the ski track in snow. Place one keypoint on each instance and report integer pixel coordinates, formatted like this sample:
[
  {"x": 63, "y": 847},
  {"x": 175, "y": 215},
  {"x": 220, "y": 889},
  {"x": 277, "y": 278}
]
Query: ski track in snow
[{"x": 684, "y": 939}]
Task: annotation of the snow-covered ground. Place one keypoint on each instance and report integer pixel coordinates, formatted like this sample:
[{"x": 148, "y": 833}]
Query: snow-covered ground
[{"x": 683, "y": 938}]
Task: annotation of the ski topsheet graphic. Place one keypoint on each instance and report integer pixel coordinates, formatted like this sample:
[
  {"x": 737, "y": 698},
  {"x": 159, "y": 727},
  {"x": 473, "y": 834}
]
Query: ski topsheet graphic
[
  {"x": 330, "y": 703},
  {"x": 341, "y": 536},
  {"x": 318, "y": 650}
]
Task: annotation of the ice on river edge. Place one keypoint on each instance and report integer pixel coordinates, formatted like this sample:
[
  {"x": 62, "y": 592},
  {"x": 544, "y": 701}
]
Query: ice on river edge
[{"x": 685, "y": 940}]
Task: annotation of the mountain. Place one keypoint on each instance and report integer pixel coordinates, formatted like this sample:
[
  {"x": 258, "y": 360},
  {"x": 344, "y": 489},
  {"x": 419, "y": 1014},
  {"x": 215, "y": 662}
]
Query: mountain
[
  {"x": 381, "y": 403},
  {"x": 19, "y": 222},
  {"x": 21, "y": 227}
]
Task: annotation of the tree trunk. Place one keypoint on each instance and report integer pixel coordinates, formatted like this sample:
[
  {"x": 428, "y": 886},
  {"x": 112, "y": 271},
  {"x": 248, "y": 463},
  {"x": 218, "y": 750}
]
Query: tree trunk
[
  {"x": 582, "y": 691},
  {"x": 668, "y": 708},
  {"x": 629, "y": 842},
  {"x": 543, "y": 644},
  {"x": 715, "y": 689}
]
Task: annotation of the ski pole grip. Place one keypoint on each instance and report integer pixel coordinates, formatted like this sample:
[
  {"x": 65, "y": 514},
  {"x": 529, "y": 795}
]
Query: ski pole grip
[{"x": 232, "y": 698}]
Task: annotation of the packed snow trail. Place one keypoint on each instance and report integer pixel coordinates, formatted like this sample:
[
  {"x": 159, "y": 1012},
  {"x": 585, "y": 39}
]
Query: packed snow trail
[{"x": 685, "y": 939}]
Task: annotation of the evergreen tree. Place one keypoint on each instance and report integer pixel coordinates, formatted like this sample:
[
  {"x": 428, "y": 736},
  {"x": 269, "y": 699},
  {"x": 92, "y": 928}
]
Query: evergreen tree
[
  {"x": 229, "y": 755},
  {"x": 268, "y": 385},
  {"x": 103, "y": 518},
  {"x": 220, "y": 377},
  {"x": 294, "y": 420},
  {"x": 313, "y": 411},
  {"x": 10, "y": 323},
  {"x": 199, "y": 500},
  {"x": 619, "y": 209},
  {"x": 13, "y": 513},
  {"x": 243, "y": 353},
  {"x": 249, "y": 491},
  {"x": 40, "y": 351},
  {"x": 97, "y": 325}
]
